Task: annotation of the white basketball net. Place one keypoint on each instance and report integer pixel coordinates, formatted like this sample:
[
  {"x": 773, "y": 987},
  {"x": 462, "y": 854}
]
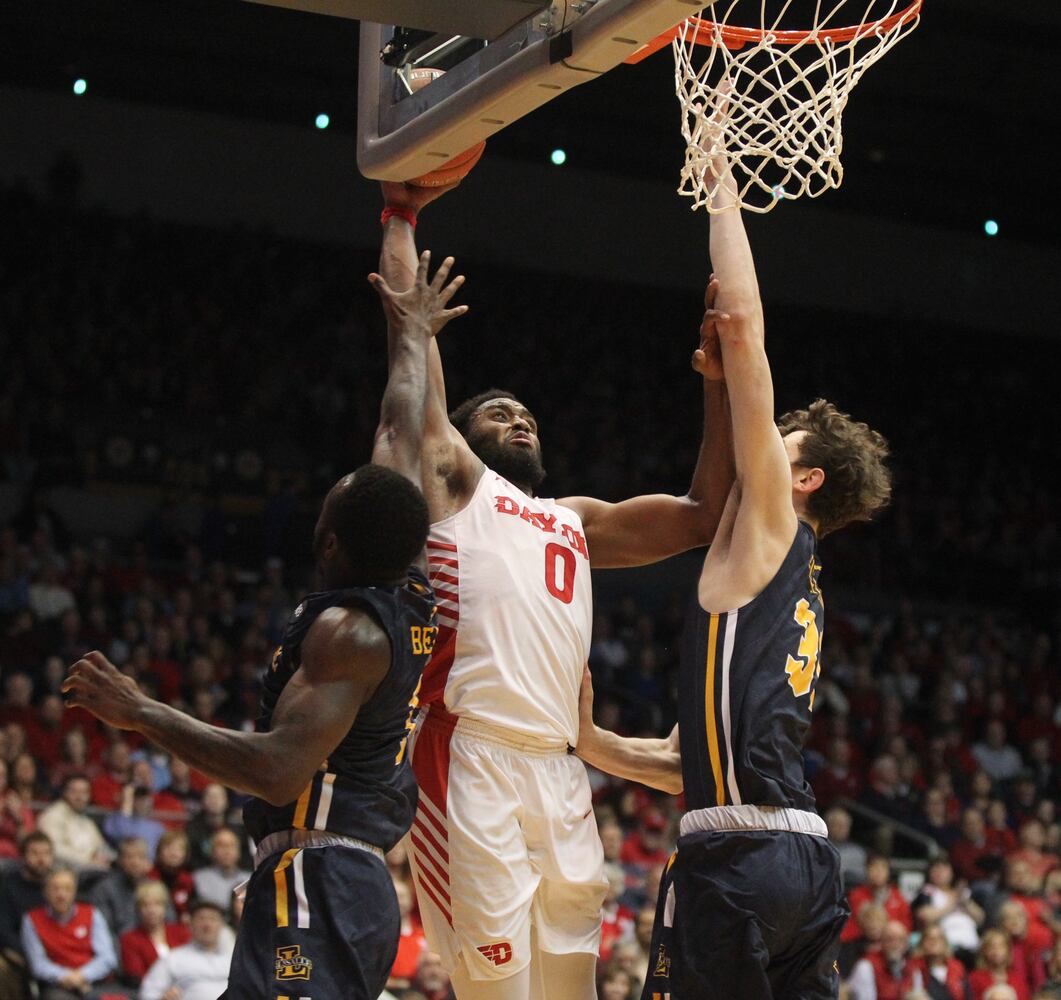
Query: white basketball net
[{"x": 782, "y": 132}]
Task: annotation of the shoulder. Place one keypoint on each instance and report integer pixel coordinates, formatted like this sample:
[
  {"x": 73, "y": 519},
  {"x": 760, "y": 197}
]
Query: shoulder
[{"x": 341, "y": 633}]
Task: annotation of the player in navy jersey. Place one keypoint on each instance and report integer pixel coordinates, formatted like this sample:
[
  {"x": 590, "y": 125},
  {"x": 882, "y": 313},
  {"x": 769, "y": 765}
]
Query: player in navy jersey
[
  {"x": 751, "y": 905},
  {"x": 327, "y": 765}
]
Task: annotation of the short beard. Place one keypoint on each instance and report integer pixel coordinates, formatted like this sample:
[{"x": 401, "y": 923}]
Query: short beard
[{"x": 521, "y": 466}]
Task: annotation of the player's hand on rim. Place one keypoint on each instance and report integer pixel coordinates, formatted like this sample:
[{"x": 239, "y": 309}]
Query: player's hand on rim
[
  {"x": 425, "y": 302},
  {"x": 707, "y": 358},
  {"x": 412, "y": 197},
  {"x": 96, "y": 684}
]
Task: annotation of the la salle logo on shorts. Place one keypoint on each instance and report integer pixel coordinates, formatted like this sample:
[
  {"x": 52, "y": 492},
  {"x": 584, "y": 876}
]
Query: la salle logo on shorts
[
  {"x": 662, "y": 963},
  {"x": 292, "y": 964},
  {"x": 499, "y": 953}
]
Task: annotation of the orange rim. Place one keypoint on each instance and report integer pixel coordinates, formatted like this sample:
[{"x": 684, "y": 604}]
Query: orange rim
[{"x": 703, "y": 33}]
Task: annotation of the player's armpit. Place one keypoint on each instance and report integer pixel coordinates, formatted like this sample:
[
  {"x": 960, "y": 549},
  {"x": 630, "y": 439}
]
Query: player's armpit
[
  {"x": 345, "y": 656},
  {"x": 641, "y": 530}
]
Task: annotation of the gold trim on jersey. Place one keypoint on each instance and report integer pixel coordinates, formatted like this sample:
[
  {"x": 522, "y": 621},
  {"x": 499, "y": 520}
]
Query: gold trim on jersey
[{"x": 709, "y": 707}]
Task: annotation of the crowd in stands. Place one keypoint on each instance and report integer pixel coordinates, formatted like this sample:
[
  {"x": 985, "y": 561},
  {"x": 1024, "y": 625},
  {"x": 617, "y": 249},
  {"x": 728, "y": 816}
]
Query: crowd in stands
[{"x": 246, "y": 371}]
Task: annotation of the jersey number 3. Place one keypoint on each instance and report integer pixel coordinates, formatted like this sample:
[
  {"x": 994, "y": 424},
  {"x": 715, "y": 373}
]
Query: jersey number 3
[{"x": 804, "y": 666}]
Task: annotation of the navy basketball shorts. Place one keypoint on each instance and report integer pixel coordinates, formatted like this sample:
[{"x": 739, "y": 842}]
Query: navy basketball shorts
[
  {"x": 318, "y": 924},
  {"x": 749, "y": 915}
]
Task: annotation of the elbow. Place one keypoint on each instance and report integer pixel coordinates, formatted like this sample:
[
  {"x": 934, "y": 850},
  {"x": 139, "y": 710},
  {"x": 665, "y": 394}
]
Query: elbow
[
  {"x": 281, "y": 785},
  {"x": 673, "y": 784}
]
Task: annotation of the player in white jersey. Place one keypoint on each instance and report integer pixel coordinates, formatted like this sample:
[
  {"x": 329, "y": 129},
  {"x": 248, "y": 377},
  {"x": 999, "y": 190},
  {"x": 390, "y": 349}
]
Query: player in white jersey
[{"x": 506, "y": 855}]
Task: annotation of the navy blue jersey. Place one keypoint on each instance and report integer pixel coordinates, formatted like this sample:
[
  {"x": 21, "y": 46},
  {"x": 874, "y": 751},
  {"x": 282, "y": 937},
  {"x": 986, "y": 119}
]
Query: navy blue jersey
[
  {"x": 746, "y": 690},
  {"x": 365, "y": 789}
]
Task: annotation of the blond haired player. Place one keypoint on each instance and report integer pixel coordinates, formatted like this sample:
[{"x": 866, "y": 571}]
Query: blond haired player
[{"x": 507, "y": 859}]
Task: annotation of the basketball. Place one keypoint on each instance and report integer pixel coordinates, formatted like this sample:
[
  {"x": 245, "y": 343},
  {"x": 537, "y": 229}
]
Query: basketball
[{"x": 452, "y": 170}]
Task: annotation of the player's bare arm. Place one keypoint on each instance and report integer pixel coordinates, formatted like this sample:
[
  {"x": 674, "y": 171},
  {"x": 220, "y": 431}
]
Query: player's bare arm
[
  {"x": 656, "y": 763},
  {"x": 344, "y": 657},
  {"x": 762, "y": 521},
  {"x": 450, "y": 469},
  {"x": 648, "y": 528},
  {"x": 414, "y": 317}
]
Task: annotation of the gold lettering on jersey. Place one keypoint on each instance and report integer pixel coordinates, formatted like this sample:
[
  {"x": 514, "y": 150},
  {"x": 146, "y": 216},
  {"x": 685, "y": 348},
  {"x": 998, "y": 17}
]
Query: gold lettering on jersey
[
  {"x": 804, "y": 666},
  {"x": 422, "y": 638},
  {"x": 410, "y": 721}
]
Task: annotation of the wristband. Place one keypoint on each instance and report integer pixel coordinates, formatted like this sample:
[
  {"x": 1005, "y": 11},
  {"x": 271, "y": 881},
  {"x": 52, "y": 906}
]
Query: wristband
[{"x": 396, "y": 211}]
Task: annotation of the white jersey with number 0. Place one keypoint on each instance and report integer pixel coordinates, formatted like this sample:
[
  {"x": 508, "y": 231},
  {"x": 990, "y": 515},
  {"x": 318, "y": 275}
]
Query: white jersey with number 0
[{"x": 515, "y": 607}]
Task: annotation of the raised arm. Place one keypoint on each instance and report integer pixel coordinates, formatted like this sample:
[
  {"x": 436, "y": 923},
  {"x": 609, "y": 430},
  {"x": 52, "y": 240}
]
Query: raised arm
[
  {"x": 414, "y": 317},
  {"x": 762, "y": 467},
  {"x": 653, "y": 762},
  {"x": 315, "y": 711},
  {"x": 443, "y": 447},
  {"x": 646, "y": 529}
]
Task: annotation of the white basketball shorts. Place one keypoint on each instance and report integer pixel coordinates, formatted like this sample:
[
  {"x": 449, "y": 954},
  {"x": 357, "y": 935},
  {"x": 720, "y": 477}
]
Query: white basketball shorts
[{"x": 504, "y": 839}]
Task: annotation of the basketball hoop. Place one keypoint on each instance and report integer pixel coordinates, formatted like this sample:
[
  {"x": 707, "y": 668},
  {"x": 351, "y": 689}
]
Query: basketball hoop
[{"x": 788, "y": 88}]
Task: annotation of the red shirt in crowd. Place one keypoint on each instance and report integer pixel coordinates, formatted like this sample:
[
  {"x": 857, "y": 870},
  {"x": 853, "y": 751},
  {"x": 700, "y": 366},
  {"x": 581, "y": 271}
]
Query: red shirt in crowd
[
  {"x": 954, "y": 981},
  {"x": 618, "y": 921},
  {"x": 411, "y": 945},
  {"x": 139, "y": 952},
  {"x": 181, "y": 885},
  {"x": 980, "y": 980},
  {"x": 891, "y": 986},
  {"x": 894, "y": 905},
  {"x": 67, "y": 944}
]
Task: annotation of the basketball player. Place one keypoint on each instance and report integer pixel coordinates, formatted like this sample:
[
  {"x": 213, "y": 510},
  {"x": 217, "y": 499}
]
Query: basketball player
[
  {"x": 328, "y": 766},
  {"x": 507, "y": 860},
  {"x": 752, "y": 904}
]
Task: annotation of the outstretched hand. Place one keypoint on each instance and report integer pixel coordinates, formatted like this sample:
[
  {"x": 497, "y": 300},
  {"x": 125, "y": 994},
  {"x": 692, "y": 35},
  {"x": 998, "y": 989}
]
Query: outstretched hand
[
  {"x": 96, "y": 684},
  {"x": 424, "y": 302},
  {"x": 707, "y": 358}
]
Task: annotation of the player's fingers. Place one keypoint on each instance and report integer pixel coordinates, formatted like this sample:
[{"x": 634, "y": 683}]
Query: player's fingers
[
  {"x": 454, "y": 312},
  {"x": 451, "y": 289},
  {"x": 421, "y": 269},
  {"x": 378, "y": 282},
  {"x": 441, "y": 274},
  {"x": 699, "y": 362},
  {"x": 97, "y": 660}
]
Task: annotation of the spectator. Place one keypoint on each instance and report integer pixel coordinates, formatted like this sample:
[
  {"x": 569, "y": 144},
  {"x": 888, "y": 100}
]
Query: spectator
[
  {"x": 215, "y": 883},
  {"x": 134, "y": 818},
  {"x": 171, "y": 869},
  {"x": 76, "y": 839},
  {"x": 871, "y": 923},
  {"x": 21, "y": 890},
  {"x": 108, "y": 785},
  {"x": 114, "y": 895},
  {"x": 432, "y": 979},
  {"x": 153, "y": 936},
  {"x": 884, "y": 793},
  {"x": 618, "y": 920},
  {"x": 932, "y": 819},
  {"x": 1000, "y": 760},
  {"x": 1027, "y": 949},
  {"x": 949, "y": 906},
  {"x": 995, "y": 965},
  {"x": 852, "y": 856},
  {"x": 16, "y": 818},
  {"x": 24, "y": 779},
  {"x": 878, "y": 889},
  {"x": 197, "y": 970},
  {"x": 615, "y": 984},
  {"x": 646, "y": 846},
  {"x": 1032, "y": 841},
  {"x": 67, "y": 944},
  {"x": 972, "y": 856},
  {"x": 837, "y": 779},
  {"x": 890, "y": 973},
  {"x": 213, "y": 814},
  {"x": 942, "y": 975},
  {"x": 411, "y": 943},
  {"x": 1053, "y": 968}
]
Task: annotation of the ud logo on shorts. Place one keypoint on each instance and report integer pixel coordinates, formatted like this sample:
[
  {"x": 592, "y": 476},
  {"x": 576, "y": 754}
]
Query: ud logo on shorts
[
  {"x": 499, "y": 953},
  {"x": 292, "y": 964}
]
